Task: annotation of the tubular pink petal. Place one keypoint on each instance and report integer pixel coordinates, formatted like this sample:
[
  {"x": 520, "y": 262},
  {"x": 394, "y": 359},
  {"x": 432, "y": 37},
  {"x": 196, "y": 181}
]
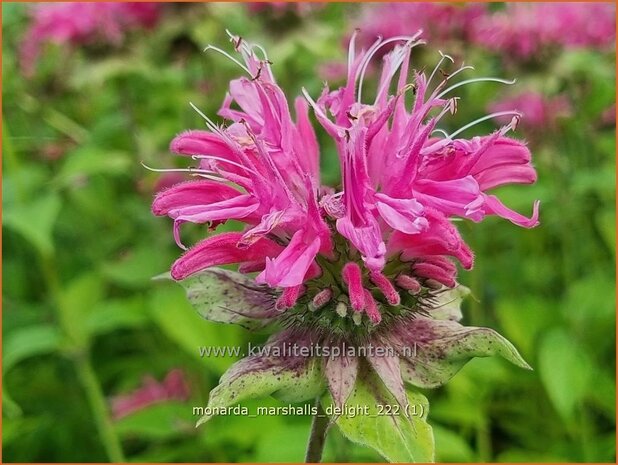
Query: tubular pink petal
[
  {"x": 429, "y": 271},
  {"x": 353, "y": 278},
  {"x": 386, "y": 287},
  {"x": 289, "y": 297},
  {"x": 499, "y": 176},
  {"x": 290, "y": 266},
  {"x": 367, "y": 239},
  {"x": 408, "y": 283},
  {"x": 443, "y": 262},
  {"x": 441, "y": 238},
  {"x": 191, "y": 193},
  {"x": 371, "y": 308},
  {"x": 322, "y": 298},
  {"x": 405, "y": 215},
  {"x": 239, "y": 207},
  {"x": 196, "y": 142},
  {"x": 251, "y": 267},
  {"x": 307, "y": 141},
  {"x": 221, "y": 250},
  {"x": 494, "y": 206},
  {"x": 461, "y": 197}
]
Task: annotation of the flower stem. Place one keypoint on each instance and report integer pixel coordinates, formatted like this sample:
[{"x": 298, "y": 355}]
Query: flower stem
[
  {"x": 317, "y": 438},
  {"x": 79, "y": 354},
  {"x": 96, "y": 399}
]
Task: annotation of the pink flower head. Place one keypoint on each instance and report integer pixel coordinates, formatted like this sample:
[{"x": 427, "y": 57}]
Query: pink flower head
[
  {"x": 522, "y": 30},
  {"x": 281, "y": 8},
  {"x": 388, "y": 229},
  {"x": 82, "y": 23},
  {"x": 439, "y": 21},
  {"x": 173, "y": 387},
  {"x": 538, "y": 112}
]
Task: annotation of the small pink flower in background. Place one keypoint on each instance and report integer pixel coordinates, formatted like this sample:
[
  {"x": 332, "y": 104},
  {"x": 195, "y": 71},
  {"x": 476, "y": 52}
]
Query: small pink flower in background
[
  {"x": 173, "y": 387},
  {"x": 438, "y": 21},
  {"x": 538, "y": 111},
  {"x": 332, "y": 70},
  {"x": 82, "y": 23},
  {"x": 281, "y": 8},
  {"x": 523, "y": 30}
]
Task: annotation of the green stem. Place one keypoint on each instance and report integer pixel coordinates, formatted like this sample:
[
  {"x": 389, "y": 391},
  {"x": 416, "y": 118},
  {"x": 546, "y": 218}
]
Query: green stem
[
  {"x": 317, "y": 437},
  {"x": 12, "y": 162},
  {"x": 483, "y": 440},
  {"x": 98, "y": 405},
  {"x": 84, "y": 369}
]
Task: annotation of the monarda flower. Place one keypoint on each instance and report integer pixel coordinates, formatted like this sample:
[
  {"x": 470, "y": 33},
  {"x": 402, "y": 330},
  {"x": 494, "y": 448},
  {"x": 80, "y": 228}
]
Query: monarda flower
[
  {"x": 72, "y": 24},
  {"x": 539, "y": 112},
  {"x": 366, "y": 269},
  {"x": 524, "y": 31},
  {"x": 173, "y": 387},
  {"x": 439, "y": 21}
]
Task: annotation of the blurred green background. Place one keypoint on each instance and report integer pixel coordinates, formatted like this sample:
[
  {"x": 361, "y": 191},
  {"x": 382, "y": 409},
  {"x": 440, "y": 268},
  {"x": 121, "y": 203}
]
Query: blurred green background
[{"x": 84, "y": 323}]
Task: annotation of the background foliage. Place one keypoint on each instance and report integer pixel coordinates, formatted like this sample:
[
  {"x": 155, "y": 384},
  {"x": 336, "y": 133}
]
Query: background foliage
[{"x": 83, "y": 321}]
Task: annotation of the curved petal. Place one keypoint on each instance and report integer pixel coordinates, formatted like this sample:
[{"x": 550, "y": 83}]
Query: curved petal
[
  {"x": 291, "y": 265},
  {"x": 494, "y": 206},
  {"x": 221, "y": 249},
  {"x": 405, "y": 215},
  {"x": 441, "y": 238},
  {"x": 191, "y": 194}
]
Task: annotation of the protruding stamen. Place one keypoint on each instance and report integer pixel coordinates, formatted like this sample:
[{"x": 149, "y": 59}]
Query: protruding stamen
[
  {"x": 408, "y": 283},
  {"x": 484, "y": 118},
  {"x": 443, "y": 57},
  {"x": 411, "y": 41},
  {"x": 321, "y": 299},
  {"x": 353, "y": 278},
  {"x": 224, "y": 160},
  {"x": 227, "y": 55},
  {"x": 195, "y": 171},
  {"x": 392, "y": 297},
  {"x": 471, "y": 81},
  {"x": 209, "y": 123},
  {"x": 352, "y": 51},
  {"x": 371, "y": 308},
  {"x": 289, "y": 297}
]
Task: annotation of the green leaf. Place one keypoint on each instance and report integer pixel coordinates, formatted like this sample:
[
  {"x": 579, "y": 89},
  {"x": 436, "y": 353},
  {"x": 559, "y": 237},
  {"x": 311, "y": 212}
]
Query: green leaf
[
  {"x": 29, "y": 342},
  {"x": 451, "y": 447},
  {"x": 21, "y": 344},
  {"x": 565, "y": 371},
  {"x": 229, "y": 297},
  {"x": 288, "y": 378},
  {"x": 160, "y": 421},
  {"x": 136, "y": 267},
  {"x": 173, "y": 314},
  {"x": 397, "y": 437},
  {"x": 35, "y": 221},
  {"x": 438, "y": 349},
  {"x": 111, "y": 315},
  {"x": 447, "y": 304},
  {"x": 79, "y": 299},
  {"x": 89, "y": 162}
]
